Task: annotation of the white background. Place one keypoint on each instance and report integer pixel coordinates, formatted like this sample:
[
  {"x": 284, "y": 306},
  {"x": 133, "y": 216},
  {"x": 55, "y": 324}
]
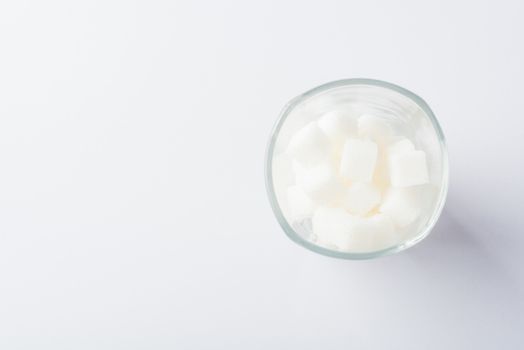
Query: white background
[{"x": 133, "y": 213}]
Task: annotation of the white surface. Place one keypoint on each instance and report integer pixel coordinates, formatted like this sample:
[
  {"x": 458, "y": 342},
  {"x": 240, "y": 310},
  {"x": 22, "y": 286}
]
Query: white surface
[{"x": 133, "y": 213}]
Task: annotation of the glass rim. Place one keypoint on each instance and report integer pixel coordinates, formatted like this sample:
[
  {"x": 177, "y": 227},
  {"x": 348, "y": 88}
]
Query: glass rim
[{"x": 268, "y": 170}]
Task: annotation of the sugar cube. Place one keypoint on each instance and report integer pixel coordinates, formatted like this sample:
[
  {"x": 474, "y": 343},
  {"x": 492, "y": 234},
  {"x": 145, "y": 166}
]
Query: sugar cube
[
  {"x": 361, "y": 198},
  {"x": 309, "y": 145},
  {"x": 386, "y": 235},
  {"x": 402, "y": 146},
  {"x": 337, "y": 126},
  {"x": 300, "y": 205},
  {"x": 408, "y": 169},
  {"x": 299, "y": 171},
  {"x": 375, "y": 128},
  {"x": 322, "y": 184},
  {"x": 400, "y": 206},
  {"x": 358, "y": 161},
  {"x": 282, "y": 171},
  {"x": 381, "y": 174},
  {"x": 332, "y": 227},
  {"x": 372, "y": 233}
]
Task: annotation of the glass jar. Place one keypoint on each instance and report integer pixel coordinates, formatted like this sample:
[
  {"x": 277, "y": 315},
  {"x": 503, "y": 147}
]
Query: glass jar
[{"x": 399, "y": 107}]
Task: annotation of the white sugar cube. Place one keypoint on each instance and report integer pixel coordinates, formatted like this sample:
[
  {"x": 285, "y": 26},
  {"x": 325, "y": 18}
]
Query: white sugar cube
[
  {"x": 299, "y": 170},
  {"x": 400, "y": 147},
  {"x": 322, "y": 184},
  {"x": 358, "y": 161},
  {"x": 300, "y": 205},
  {"x": 400, "y": 205},
  {"x": 385, "y": 235},
  {"x": 371, "y": 234},
  {"x": 337, "y": 126},
  {"x": 282, "y": 171},
  {"x": 309, "y": 145},
  {"x": 381, "y": 175},
  {"x": 332, "y": 226},
  {"x": 423, "y": 196},
  {"x": 408, "y": 169},
  {"x": 375, "y": 128},
  {"x": 361, "y": 198}
]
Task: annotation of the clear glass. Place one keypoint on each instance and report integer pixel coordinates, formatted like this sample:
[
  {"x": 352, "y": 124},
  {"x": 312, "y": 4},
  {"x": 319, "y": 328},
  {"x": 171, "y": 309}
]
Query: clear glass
[{"x": 401, "y": 107}]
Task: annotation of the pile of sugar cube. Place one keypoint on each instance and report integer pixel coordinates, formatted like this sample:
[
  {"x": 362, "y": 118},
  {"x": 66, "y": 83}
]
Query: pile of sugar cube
[{"x": 354, "y": 181}]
